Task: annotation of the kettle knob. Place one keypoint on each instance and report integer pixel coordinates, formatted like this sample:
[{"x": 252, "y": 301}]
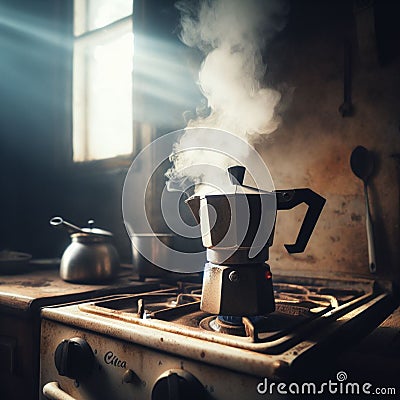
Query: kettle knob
[{"x": 236, "y": 174}]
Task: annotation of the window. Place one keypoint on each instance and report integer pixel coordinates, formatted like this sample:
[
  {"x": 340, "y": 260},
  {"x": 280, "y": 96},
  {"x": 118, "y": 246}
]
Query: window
[{"x": 102, "y": 79}]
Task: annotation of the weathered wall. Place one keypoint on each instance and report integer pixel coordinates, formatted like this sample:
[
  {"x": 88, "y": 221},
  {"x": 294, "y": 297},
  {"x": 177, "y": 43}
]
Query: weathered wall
[{"x": 313, "y": 145}]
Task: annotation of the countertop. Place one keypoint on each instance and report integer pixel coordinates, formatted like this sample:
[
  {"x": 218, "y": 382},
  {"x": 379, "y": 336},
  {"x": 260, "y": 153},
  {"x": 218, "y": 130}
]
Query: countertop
[{"x": 43, "y": 287}]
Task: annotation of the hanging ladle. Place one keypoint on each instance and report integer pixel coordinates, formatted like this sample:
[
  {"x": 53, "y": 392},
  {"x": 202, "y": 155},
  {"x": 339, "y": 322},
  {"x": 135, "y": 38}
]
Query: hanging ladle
[{"x": 362, "y": 164}]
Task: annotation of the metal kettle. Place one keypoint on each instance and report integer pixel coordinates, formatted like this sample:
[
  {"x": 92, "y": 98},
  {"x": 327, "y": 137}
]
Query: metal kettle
[{"x": 91, "y": 257}]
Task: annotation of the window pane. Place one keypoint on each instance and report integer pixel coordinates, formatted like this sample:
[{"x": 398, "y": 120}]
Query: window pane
[
  {"x": 94, "y": 14},
  {"x": 103, "y": 12},
  {"x": 103, "y": 98}
]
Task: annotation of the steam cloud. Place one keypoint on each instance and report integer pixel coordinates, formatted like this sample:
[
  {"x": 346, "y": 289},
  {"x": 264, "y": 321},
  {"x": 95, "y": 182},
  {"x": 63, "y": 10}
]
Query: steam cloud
[{"x": 231, "y": 34}]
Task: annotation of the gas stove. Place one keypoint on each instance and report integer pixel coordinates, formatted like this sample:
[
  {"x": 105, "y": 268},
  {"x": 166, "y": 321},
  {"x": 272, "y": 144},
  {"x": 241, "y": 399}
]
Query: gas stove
[{"x": 160, "y": 344}]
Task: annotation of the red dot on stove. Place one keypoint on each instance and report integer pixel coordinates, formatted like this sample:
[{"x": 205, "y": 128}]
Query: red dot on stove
[{"x": 268, "y": 275}]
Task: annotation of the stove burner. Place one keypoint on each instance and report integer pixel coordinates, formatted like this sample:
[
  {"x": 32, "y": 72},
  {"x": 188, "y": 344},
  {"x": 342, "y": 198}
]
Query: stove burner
[
  {"x": 286, "y": 317},
  {"x": 294, "y": 304},
  {"x": 219, "y": 324},
  {"x": 229, "y": 324},
  {"x": 236, "y": 321}
]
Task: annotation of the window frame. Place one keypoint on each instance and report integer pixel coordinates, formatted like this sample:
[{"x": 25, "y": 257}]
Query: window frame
[{"x": 79, "y": 42}]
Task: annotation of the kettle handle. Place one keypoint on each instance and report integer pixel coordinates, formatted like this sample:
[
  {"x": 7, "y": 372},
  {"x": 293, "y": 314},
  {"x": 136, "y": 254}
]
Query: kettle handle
[
  {"x": 288, "y": 199},
  {"x": 71, "y": 228}
]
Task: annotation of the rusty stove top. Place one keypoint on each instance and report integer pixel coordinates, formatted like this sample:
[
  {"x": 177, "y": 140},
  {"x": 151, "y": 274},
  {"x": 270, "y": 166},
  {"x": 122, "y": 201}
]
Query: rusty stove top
[
  {"x": 311, "y": 314},
  {"x": 299, "y": 309}
]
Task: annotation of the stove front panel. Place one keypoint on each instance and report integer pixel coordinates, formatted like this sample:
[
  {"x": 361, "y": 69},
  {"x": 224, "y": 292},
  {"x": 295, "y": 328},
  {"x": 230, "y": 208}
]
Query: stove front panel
[{"x": 123, "y": 370}]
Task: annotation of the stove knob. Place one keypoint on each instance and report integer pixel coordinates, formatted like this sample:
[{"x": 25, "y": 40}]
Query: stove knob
[
  {"x": 177, "y": 384},
  {"x": 74, "y": 358}
]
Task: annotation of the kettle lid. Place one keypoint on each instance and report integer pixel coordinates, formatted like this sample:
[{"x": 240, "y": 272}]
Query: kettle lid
[
  {"x": 76, "y": 230},
  {"x": 95, "y": 231}
]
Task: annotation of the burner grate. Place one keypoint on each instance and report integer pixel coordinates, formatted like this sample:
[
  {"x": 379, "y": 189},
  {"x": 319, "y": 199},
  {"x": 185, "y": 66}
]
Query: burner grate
[{"x": 300, "y": 310}]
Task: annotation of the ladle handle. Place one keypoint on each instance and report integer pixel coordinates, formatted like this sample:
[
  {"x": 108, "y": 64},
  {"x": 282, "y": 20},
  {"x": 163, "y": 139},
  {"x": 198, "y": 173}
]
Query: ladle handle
[
  {"x": 71, "y": 228},
  {"x": 288, "y": 199},
  {"x": 370, "y": 233}
]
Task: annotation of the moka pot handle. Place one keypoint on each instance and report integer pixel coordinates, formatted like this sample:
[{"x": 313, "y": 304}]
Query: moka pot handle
[{"x": 288, "y": 199}]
